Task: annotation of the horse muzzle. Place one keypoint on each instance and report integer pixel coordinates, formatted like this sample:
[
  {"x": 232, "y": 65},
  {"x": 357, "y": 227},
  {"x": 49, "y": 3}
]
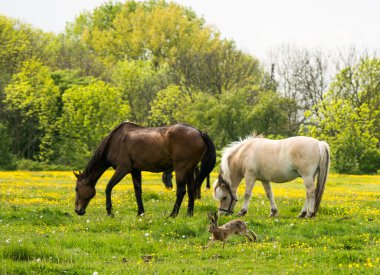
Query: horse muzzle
[{"x": 80, "y": 212}]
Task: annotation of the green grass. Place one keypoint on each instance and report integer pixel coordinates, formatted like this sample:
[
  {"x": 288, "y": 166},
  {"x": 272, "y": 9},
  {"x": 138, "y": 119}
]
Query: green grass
[{"x": 41, "y": 234}]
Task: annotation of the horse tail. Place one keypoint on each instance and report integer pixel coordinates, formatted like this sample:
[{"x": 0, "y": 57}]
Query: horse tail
[
  {"x": 324, "y": 166},
  {"x": 207, "y": 164}
]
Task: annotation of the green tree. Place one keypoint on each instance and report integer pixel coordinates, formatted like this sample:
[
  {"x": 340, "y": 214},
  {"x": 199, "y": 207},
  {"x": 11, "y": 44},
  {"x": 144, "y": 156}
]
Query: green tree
[
  {"x": 168, "y": 107},
  {"x": 349, "y": 118},
  {"x": 6, "y": 158},
  {"x": 224, "y": 118},
  {"x": 271, "y": 114},
  {"x": 31, "y": 100},
  {"x": 139, "y": 82},
  {"x": 89, "y": 113}
]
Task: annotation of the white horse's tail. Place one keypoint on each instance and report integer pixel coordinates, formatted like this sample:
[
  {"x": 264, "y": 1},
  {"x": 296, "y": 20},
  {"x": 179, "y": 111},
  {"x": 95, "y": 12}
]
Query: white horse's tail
[{"x": 324, "y": 166}]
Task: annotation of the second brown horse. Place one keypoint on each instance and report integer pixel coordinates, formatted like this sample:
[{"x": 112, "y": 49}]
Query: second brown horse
[{"x": 130, "y": 148}]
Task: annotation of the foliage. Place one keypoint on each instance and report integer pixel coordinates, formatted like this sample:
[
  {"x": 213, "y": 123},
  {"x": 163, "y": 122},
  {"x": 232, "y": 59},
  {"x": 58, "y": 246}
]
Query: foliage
[
  {"x": 6, "y": 158},
  {"x": 168, "y": 106},
  {"x": 349, "y": 118},
  {"x": 139, "y": 82},
  {"x": 271, "y": 114},
  {"x": 40, "y": 232},
  {"x": 158, "y": 63},
  {"x": 32, "y": 100},
  {"x": 89, "y": 113}
]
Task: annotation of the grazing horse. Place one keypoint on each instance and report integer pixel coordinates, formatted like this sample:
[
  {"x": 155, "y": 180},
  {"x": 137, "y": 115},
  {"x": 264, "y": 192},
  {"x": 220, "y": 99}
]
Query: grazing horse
[
  {"x": 257, "y": 158},
  {"x": 130, "y": 148}
]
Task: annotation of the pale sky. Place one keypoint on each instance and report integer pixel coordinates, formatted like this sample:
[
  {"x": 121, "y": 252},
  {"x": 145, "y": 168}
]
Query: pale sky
[{"x": 257, "y": 26}]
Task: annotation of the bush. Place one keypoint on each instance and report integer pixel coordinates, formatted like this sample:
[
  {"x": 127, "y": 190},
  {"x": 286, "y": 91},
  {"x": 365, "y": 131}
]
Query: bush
[
  {"x": 6, "y": 158},
  {"x": 30, "y": 165}
]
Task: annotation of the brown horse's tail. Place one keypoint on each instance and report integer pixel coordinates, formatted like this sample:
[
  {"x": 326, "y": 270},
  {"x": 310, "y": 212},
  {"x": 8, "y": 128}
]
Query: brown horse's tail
[
  {"x": 207, "y": 165},
  {"x": 324, "y": 166}
]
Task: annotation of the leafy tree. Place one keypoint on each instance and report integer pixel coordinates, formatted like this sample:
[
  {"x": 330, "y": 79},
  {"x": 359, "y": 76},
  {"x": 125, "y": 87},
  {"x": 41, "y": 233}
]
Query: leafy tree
[
  {"x": 6, "y": 158},
  {"x": 349, "y": 118},
  {"x": 139, "y": 82},
  {"x": 168, "y": 107},
  {"x": 223, "y": 118},
  {"x": 89, "y": 113},
  {"x": 271, "y": 115},
  {"x": 226, "y": 69},
  {"x": 31, "y": 99}
]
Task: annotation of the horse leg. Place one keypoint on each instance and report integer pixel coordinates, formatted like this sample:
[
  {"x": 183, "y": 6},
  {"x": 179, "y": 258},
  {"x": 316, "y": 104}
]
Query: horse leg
[
  {"x": 304, "y": 208},
  {"x": 136, "y": 178},
  {"x": 270, "y": 196},
  {"x": 181, "y": 191},
  {"x": 191, "y": 193},
  {"x": 119, "y": 174},
  {"x": 310, "y": 195},
  {"x": 249, "y": 184}
]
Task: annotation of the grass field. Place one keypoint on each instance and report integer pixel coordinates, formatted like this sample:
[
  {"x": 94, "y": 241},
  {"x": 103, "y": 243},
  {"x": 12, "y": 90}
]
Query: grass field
[{"x": 41, "y": 234}]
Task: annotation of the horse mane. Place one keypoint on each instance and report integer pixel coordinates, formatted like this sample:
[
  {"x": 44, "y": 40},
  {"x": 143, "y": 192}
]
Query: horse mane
[
  {"x": 228, "y": 151},
  {"x": 99, "y": 151}
]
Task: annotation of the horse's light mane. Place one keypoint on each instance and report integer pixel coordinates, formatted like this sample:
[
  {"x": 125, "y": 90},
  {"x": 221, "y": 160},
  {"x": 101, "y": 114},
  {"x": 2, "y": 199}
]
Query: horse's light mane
[{"x": 229, "y": 150}]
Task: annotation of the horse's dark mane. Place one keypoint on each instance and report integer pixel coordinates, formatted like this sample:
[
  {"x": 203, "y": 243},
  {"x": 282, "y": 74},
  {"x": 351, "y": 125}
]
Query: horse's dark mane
[{"x": 99, "y": 152}]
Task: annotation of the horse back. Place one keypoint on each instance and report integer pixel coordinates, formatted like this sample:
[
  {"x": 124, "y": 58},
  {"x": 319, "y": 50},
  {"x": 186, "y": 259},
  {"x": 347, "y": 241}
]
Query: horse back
[
  {"x": 281, "y": 160},
  {"x": 154, "y": 149}
]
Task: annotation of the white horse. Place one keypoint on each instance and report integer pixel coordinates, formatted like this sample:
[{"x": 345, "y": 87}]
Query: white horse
[{"x": 257, "y": 158}]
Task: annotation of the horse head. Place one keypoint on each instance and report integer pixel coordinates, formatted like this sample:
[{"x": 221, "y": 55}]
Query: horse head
[
  {"x": 223, "y": 193},
  {"x": 84, "y": 193}
]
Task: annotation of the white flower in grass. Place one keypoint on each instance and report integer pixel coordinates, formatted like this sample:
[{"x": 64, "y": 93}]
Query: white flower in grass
[
  {"x": 95, "y": 273},
  {"x": 88, "y": 221},
  {"x": 38, "y": 260},
  {"x": 183, "y": 236},
  {"x": 8, "y": 241},
  {"x": 146, "y": 234}
]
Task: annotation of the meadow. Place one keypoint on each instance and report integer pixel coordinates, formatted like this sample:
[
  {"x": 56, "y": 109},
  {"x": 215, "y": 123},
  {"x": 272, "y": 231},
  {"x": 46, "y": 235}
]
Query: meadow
[{"x": 41, "y": 234}]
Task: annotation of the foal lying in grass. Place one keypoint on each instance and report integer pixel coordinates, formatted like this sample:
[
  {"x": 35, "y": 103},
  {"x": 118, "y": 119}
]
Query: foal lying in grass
[{"x": 221, "y": 233}]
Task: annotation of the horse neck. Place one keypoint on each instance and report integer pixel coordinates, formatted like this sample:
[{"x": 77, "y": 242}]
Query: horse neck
[{"x": 95, "y": 171}]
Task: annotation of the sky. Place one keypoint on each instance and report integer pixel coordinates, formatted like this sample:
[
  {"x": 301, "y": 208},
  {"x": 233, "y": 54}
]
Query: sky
[{"x": 257, "y": 26}]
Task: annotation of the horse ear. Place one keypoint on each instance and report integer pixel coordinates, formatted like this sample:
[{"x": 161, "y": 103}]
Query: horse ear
[{"x": 77, "y": 175}]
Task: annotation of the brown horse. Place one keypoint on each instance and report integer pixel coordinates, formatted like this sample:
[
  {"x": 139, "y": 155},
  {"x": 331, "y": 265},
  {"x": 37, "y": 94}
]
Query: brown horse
[{"x": 130, "y": 148}]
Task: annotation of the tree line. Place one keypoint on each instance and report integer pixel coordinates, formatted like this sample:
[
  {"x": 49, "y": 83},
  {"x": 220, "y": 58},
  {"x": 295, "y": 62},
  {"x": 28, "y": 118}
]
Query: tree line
[{"x": 157, "y": 63}]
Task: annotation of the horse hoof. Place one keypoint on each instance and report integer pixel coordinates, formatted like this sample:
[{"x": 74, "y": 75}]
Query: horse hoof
[
  {"x": 173, "y": 214},
  {"x": 242, "y": 213},
  {"x": 302, "y": 215},
  {"x": 310, "y": 215},
  {"x": 111, "y": 215},
  {"x": 273, "y": 212}
]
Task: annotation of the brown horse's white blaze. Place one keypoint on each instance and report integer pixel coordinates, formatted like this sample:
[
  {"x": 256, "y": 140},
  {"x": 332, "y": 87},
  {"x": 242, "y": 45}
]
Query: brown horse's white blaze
[{"x": 257, "y": 158}]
